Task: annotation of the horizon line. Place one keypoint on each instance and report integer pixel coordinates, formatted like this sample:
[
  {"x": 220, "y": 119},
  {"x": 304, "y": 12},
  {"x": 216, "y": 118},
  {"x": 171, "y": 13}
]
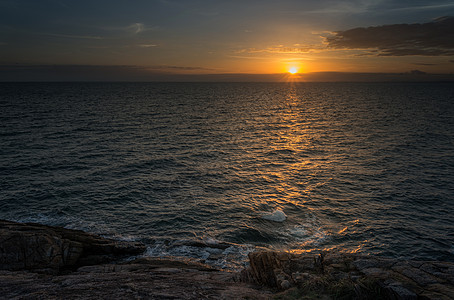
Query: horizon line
[{"x": 123, "y": 73}]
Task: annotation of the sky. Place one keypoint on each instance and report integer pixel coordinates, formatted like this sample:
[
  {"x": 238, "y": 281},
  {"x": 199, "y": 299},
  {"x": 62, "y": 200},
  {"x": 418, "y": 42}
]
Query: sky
[{"x": 155, "y": 38}]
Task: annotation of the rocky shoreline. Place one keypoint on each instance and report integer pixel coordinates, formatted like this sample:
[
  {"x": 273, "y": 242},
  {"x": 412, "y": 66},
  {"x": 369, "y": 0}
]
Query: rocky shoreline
[{"x": 45, "y": 262}]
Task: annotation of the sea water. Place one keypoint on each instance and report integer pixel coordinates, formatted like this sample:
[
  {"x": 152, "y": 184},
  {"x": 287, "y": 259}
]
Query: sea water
[{"x": 212, "y": 171}]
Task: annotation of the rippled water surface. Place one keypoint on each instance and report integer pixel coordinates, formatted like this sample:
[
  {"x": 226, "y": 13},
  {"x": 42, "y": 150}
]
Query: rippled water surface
[{"x": 192, "y": 167}]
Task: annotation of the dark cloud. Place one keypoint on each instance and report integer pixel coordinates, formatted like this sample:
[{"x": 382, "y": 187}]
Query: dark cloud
[
  {"x": 166, "y": 67},
  {"x": 429, "y": 39},
  {"x": 408, "y": 5},
  {"x": 24, "y": 72},
  {"x": 424, "y": 64}
]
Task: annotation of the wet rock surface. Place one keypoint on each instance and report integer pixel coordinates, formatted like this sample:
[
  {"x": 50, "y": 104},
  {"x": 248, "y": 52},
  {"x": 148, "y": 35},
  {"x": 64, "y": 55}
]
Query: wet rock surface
[{"x": 44, "y": 262}]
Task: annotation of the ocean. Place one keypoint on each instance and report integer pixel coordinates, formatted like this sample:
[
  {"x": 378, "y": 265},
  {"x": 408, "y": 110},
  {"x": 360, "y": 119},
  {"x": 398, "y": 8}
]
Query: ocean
[{"x": 212, "y": 171}]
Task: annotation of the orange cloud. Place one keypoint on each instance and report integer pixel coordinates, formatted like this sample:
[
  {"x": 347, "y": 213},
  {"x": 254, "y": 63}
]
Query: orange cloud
[{"x": 281, "y": 49}]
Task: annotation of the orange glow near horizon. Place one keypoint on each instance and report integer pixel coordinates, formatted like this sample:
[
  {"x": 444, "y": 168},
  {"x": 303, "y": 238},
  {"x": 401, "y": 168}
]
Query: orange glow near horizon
[
  {"x": 292, "y": 67},
  {"x": 293, "y": 74}
]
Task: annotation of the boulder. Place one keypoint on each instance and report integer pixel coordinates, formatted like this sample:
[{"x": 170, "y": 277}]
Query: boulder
[
  {"x": 265, "y": 267},
  {"x": 29, "y": 246}
]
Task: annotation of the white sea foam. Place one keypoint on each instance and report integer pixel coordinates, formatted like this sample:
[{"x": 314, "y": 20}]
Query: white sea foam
[
  {"x": 276, "y": 216},
  {"x": 211, "y": 241},
  {"x": 299, "y": 231},
  {"x": 232, "y": 257},
  {"x": 308, "y": 234}
]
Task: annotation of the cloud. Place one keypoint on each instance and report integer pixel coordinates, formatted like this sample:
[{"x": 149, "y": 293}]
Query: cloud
[
  {"x": 425, "y": 64},
  {"x": 429, "y": 39},
  {"x": 147, "y": 45},
  {"x": 183, "y": 68},
  {"x": 70, "y": 36},
  {"x": 28, "y": 72},
  {"x": 90, "y": 68},
  {"x": 411, "y": 5},
  {"x": 136, "y": 27},
  {"x": 315, "y": 7},
  {"x": 280, "y": 49}
]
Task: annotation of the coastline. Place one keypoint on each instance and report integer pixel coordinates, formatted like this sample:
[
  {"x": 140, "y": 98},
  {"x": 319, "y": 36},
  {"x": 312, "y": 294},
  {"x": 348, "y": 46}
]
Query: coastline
[{"x": 46, "y": 262}]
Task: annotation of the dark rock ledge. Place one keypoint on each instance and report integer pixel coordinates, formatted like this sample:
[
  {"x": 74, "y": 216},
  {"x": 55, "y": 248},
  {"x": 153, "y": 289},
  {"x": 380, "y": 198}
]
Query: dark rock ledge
[
  {"x": 44, "y": 262},
  {"x": 349, "y": 276},
  {"x": 48, "y": 249}
]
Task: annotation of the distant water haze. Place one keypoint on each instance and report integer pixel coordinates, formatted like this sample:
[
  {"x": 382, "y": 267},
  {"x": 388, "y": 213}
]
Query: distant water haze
[{"x": 214, "y": 170}]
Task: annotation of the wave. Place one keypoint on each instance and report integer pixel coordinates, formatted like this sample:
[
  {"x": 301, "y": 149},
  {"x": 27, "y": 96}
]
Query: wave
[
  {"x": 223, "y": 255},
  {"x": 276, "y": 216}
]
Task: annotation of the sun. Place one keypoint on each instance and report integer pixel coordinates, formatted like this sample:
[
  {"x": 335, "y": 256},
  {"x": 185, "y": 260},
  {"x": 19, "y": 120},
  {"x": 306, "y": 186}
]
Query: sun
[{"x": 293, "y": 70}]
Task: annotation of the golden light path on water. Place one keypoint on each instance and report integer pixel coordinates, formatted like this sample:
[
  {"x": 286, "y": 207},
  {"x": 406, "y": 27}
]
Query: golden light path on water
[{"x": 296, "y": 136}]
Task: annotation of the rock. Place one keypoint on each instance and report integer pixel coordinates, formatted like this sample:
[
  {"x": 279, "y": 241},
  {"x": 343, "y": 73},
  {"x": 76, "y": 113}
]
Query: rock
[
  {"x": 399, "y": 292},
  {"x": 340, "y": 276},
  {"x": 420, "y": 277},
  {"x": 88, "y": 266},
  {"x": 443, "y": 291},
  {"x": 134, "y": 280},
  {"x": 266, "y": 265},
  {"x": 285, "y": 285},
  {"x": 362, "y": 263},
  {"x": 439, "y": 270},
  {"x": 352, "y": 276},
  {"x": 375, "y": 272},
  {"x": 37, "y": 247}
]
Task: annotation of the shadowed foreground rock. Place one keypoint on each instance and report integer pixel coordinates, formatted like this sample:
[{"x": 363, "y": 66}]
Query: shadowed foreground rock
[
  {"x": 350, "y": 276},
  {"x": 142, "y": 279},
  {"x": 49, "y": 249},
  {"x": 44, "y": 262}
]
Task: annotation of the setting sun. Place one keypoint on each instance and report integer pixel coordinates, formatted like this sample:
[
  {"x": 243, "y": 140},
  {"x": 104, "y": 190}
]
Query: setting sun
[{"x": 293, "y": 70}]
